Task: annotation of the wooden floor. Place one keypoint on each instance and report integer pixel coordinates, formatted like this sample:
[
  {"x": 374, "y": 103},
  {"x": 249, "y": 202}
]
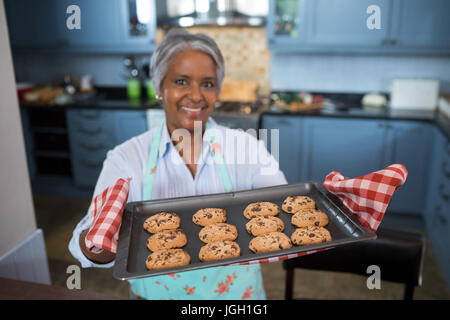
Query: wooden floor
[{"x": 58, "y": 217}]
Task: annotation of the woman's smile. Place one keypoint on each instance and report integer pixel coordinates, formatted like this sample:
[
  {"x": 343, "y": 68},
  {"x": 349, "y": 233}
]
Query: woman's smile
[{"x": 193, "y": 111}]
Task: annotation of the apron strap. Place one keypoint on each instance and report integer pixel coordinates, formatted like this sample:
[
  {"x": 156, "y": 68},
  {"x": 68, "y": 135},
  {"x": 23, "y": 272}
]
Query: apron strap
[{"x": 151, "y": 164}]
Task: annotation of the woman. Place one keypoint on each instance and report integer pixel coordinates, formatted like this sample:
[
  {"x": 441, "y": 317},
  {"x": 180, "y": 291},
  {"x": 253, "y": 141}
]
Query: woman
[{"x": 180, "y": 158}]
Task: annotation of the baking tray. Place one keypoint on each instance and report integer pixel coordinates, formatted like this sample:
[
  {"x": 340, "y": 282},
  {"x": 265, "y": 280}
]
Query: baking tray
[{"x": 132, "y": 251}]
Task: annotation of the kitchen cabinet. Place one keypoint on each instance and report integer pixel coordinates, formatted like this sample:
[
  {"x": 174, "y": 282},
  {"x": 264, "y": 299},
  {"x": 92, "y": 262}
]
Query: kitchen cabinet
[
  {"x": 93, "y": 133},
  {"x": 31, "y": 23},
  {"x": 290, "y": 143},
  {"x": 421, "y": 24},
  {"x": 437, "y": 218},
  {"x": 138, "y": 19},
  {"x": 286, "y": 24},
  {"x": 408, "y": 143},
  {"x": 312, "y": 147},
  {"x": 407, "y": 27},
  {"x": 129, "y": 124},
  {"x": 98, "y": 25},
  {"x": 343, "y": 23},
  {"x": 353, "y": 147},
  {"x": 46, "y": 142},
  {"x": 106, "y": 26}
]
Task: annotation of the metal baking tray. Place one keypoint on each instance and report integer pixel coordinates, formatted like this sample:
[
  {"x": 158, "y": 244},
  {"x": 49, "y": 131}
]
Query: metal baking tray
[{"x": 132, "y": 251}]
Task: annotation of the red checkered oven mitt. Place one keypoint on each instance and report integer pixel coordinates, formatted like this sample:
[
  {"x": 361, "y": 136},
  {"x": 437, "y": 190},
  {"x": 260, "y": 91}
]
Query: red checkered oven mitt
[
  {"x": 368, "y": 196},
  {"x": 106, "y": 212}
]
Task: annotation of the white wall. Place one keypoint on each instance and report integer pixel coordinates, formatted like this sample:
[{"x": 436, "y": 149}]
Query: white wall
[{"x": 17, "y": 220}]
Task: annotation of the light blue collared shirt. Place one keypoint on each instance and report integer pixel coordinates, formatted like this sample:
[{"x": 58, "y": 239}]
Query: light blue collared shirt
[{"x": 249, "y": 165}]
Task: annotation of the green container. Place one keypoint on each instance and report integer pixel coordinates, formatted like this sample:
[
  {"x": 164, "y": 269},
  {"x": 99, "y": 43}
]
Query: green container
[
  {"x": 151, "y": 92},
  {"x": 134, "y": 89}
]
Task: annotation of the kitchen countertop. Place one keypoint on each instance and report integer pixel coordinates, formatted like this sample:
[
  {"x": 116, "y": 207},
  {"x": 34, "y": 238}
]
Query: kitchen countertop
[
  {"x": 436, "y": 117},
  {"x": 117, "y": 103}
]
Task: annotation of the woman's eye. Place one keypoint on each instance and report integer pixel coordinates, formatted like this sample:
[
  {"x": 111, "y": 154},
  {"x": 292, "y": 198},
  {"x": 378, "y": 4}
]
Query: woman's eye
[
  {"x": 181, "y": 82},
  {"x": 209, "y": 84}
]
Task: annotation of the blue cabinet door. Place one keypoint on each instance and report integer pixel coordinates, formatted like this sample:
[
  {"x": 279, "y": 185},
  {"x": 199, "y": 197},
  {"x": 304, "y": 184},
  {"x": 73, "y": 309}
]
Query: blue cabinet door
[
  {"x": 437, "y": 217},
  {"x": 343, "y": 23},
  {"x": 409, "y": 143},
  {"x": 289, "y": 143},
  {"x": 99, "y": 24},
  {"x": 421, "y": 24},
  {"x": 286, "y": 25},
  {"x": 138, "y": 25},
  {"x": 351, "y": 147},
  {"x": 129, "y": 124},
  {"x": 31, "y": 23}
]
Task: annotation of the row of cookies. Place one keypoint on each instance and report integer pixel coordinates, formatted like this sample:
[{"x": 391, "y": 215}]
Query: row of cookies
[
  {"x": 266, "y": 228},
  {"x": 165, "y": 242},
  {"x": 218, "y": 235},
  {"x": 310, "y": 222}
]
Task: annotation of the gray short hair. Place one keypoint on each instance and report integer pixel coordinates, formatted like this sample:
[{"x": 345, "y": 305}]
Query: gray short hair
[{"x": 176, "y": 41}]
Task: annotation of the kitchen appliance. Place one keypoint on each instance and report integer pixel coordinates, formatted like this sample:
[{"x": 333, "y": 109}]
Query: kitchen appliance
[
  {"x": 188, "y": 13},
  {"x": 420, "y": 94}
]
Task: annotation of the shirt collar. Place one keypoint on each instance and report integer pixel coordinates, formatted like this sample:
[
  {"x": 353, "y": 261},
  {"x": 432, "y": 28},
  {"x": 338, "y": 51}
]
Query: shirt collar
[{"x": 166, "y": 143}]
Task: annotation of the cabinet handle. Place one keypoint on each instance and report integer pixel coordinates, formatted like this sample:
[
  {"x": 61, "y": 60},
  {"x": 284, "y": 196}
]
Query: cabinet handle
[
  {"x": 90, "y": 131},
  {"x": 444, "y": 170},
  {"x": 393, "y": 42},
  {"x": 91, "y": 164},
  {"x": 442, "y": 193},
  {"x": 91, "y": 114},
  {"x": 91, "y": 148}
]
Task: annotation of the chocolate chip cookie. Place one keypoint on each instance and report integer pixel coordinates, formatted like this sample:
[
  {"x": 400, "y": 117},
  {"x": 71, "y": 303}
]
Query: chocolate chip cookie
[
  {"x": 162, "y": 221},
  {"x": 310, "y": 235},
  {"x": 166, "y": 239},
  {"x": 270, "y": 242},
  {"x": 309, "y": 217},
  {"x": 293, "y": 204},
  {"x": 207, "y": 216},
  {"x": 262, "y": 225},
  {"x": 219, "y": 250},
  {"x": 263, "y": 208},
  {"x": 217, "y": 232},
  {"x": 167, "y": 258}
]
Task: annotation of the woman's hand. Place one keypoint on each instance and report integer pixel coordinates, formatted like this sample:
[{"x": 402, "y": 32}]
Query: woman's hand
[{"x": 103, "y": 257}]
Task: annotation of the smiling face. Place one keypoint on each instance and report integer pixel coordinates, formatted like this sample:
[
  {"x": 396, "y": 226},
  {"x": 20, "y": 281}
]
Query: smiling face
[{"x": 189, "y": 90}]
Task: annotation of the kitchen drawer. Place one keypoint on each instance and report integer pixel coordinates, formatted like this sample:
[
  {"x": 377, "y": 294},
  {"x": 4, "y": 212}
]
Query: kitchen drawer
[
  {"x": 86, "y": 171},
  {"x": 86, "y": 143},
  {"x": 86, "y": 167},
  {"x": 90, "y": 122},
  {"x": 440, "y": 238}
]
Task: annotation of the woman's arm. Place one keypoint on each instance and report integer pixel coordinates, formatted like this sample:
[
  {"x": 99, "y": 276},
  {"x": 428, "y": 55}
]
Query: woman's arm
[
  {"x": 102, "y": 257},
  {"x": 114, "y": 167}
]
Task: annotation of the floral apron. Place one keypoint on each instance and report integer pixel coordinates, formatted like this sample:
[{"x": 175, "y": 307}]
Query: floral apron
[{"x": 229, "y": 282}]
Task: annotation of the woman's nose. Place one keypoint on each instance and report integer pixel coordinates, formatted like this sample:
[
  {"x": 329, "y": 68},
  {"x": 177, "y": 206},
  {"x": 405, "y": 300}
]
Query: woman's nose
[{"x": 195, "y": 93}]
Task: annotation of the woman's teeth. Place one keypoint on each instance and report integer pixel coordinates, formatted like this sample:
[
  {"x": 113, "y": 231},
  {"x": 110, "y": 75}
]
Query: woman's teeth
[{"x": 191, "y": 109}]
